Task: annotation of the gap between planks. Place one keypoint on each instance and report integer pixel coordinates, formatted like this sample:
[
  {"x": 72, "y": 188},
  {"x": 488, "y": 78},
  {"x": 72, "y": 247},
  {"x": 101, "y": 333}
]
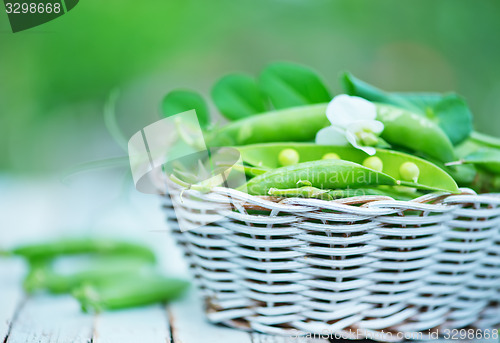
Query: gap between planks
[
  {"x": 145, "y": 324},
  {"x": 12, "y": 297}
]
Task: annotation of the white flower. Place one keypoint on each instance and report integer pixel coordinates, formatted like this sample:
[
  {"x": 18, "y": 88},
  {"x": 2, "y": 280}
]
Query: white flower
[{"x": 353, "y": 121}]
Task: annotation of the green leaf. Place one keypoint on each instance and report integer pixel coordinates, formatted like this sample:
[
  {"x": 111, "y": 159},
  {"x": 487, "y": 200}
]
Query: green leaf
[
  {"x": 487, "y": 158},
  {"x": 290, "y": 85},
  {"x": 238, "y": 96},
  {"x": 354, "y": 86},
  {"x": 449, "y": 111},
  {"x": 417, "y": 102},
  {"x": 180, "y": 100},
  {"x": 485, "y": 140}
]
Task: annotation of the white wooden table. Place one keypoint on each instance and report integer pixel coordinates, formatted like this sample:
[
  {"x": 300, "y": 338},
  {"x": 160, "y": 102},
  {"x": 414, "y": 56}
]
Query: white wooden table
[
  {"x": 32, "y": 210},
  {"x": 46, "y": 318}
]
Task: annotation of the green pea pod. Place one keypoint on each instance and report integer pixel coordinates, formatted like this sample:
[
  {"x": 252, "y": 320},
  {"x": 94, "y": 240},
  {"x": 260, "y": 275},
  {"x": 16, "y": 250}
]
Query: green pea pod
[
  {"x": 325, "y": 194},
  {"x": 74, "y": 246},
  {"x": 44, "y": 276},
  {"x": 301, "y": 192},
  {"x": 412, "y": 131},
  {"x": 131, "y": 291},
  {"x": 381, "y": 191},
  {"x": 250, "y": 171},
  {"x": 324, "y": 174},
  {"x": 298, "y": 124},
  {"x": 431, "y": 177}
]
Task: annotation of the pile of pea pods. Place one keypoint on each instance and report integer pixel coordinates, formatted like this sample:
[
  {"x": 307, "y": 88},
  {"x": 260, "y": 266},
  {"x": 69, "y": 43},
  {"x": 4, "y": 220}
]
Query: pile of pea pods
[
  {"x": 427, "y": 144},
  {"x": 102, "y": 274}
]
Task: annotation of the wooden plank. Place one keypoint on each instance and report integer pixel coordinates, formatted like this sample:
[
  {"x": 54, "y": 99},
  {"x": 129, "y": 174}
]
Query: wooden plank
[
  {"x": 189, "y": 325},
  {"x": 46, "y": 318},
  {"x": 11, "y": 294},
  {"x": 148, "y": 324}
]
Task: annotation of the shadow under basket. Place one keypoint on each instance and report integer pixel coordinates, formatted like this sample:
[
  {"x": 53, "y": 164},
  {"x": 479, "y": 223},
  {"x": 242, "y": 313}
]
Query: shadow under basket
[{"x": 364, "y": 266}]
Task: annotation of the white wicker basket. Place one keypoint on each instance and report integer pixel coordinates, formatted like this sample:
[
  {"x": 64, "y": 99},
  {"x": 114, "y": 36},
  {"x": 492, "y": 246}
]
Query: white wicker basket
[{"x": 369, "y": 263}]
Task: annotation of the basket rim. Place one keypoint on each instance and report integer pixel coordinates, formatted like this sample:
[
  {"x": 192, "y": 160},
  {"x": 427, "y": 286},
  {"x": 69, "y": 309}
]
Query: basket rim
[{"x": 368, "y": 204}]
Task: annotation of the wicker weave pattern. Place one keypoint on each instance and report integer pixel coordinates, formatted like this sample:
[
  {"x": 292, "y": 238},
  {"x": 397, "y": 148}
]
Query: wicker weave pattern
[{"x": 367, "y": 262}]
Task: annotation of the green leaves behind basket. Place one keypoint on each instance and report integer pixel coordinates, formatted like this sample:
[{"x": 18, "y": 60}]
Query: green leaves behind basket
[
  {"x": 449, "y": 111},
  {"x": 290, "y": 85},
  {"x": 181, "y": 100},
  {"x": 238, "y": 96},
  {"x": 486, "y": 158}
]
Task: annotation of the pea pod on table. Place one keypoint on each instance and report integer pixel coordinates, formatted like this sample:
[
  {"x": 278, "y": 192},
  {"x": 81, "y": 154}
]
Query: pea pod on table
[
  {"x": 431, "y": 177},
  {"x": 44, "y": 275},
  {"x": 74, "y": 246},
  {"x": 137, "y": 290}
]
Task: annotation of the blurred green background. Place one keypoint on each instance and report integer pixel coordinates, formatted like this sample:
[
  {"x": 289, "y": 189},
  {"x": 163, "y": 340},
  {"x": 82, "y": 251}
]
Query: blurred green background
[{"x": 55, "y": 79}]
